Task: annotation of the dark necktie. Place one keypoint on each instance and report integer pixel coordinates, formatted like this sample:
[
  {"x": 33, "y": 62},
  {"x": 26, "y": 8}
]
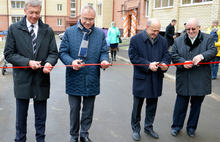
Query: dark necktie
[{"x": 34, "y": 39}]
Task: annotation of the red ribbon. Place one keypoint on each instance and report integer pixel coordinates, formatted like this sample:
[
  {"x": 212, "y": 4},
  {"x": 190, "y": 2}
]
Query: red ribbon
[{"x": 177, "y": 64}]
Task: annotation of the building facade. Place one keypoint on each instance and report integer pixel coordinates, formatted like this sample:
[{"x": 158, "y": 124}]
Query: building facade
[
  {"x": 59, "y": 14},
  {"x": 131, "y": 16}
]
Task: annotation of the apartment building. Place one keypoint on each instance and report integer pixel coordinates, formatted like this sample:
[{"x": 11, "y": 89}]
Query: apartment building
[
  {"x": 59, "y": 14},
  {"x": 131, "y": 16}
]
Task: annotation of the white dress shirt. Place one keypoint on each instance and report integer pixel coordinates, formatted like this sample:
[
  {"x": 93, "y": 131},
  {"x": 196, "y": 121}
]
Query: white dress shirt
[{"x": 35, "y": 27}]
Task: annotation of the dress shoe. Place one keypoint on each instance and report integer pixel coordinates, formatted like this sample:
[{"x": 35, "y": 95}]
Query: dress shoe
[
  {"x": 152, "y": 133},
  {"x": 85, "y": 139},
  {"x": 191, "y": 134},
  {"x": 136, "y": 136},
  {"x": 74, "y": 140},
  {"x": 174, "y": 132}
]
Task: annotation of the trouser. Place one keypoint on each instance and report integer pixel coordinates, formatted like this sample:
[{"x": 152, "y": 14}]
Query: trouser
[
  {"x": 215, "y": 67},
  {"x": 180, "y": 110},
  {"x": 151, "y": 106},
  {"x": 40, "y": 110},
  {"x": 86, "y": 118}
]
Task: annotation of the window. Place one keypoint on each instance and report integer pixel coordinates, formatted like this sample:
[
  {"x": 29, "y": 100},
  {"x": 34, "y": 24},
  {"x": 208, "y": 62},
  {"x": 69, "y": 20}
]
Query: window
[
  {"x": 59, "y": 22},
  {"x": 17, "y": 4},
  {"x": 194, "y": 1},
  {"x": 59, "y": 7},
  {"x": 99, "y": 9},
  {"x": 91, "y": 4},
  {"x": 163, "y": 3},
  {"x": 146, "y": 7},
  {"x": 73, "y": 8},
  {"x": 16, "y": 18}
]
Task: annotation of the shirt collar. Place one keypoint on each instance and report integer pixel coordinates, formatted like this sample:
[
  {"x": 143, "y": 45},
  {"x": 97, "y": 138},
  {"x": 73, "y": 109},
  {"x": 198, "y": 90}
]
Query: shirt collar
[
  {"x": 193, "y": 40},
  {"x": 29, "y": 24}
]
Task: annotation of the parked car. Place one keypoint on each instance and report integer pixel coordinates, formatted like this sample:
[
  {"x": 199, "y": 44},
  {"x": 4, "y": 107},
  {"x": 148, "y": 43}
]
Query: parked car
[
  {"x": 61, "y": 35},
  {"x": 5, "y": 32}
]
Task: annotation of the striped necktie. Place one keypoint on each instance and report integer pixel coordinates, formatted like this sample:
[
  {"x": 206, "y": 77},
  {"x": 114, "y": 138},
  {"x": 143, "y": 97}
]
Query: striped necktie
[{"x": 34, "y": 39}]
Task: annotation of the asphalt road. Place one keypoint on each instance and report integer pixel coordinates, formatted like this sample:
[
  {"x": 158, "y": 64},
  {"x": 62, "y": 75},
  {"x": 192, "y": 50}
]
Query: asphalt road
[{"x": 112, "y": 113}]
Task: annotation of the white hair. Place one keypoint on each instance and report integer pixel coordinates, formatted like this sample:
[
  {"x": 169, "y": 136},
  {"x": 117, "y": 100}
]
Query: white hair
[{"x": 33, "y": 3}]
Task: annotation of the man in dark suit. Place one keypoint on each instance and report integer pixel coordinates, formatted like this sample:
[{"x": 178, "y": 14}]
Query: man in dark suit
[
  {"x": 148, "y": 48},
  {"x": 193, "y": 81},
  {"x": 31, "y": 43},
  {"x": 170, "y": 33}
]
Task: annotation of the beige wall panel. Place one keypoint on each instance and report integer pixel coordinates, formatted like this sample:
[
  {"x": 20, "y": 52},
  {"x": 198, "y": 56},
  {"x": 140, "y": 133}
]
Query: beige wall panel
[
  {"x": 164, "y": 15},
  {"x": 3, "y": 7},
  {"x": 107, "y": 13},
  {"x": 201, "y": 12},
  {"x": 98, "y": 21},
  {"x": 51, "y": 7}
]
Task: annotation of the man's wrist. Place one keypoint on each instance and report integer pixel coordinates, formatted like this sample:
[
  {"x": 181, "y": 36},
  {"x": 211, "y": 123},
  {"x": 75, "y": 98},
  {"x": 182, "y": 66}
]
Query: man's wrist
[{"x": 202, "y": 57}]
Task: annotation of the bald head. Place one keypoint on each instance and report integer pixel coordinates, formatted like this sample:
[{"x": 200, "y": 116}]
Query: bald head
[
  {"x": 153, "y": 27},
  {"x": 192, "y": 27},
  {"x": 153, "y": 21}
]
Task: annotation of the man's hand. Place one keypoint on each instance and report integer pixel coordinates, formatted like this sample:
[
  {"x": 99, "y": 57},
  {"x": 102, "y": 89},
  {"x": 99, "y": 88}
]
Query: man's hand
[
  {"x": 105, "y": 64},
  {"x": 188, "y": 66},
  {"x": 197, "y": 59},
  {"x": 47, "y": 68},
  {"x": 153, "y": 66},
  {"x": 34, "y": 64},
  {"x": 163, "y": 67},
  {"x": 77, "y": 64}
]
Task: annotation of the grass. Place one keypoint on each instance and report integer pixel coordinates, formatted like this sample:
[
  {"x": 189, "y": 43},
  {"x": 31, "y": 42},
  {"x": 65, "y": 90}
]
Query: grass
[{"x": 124, "y": 48}]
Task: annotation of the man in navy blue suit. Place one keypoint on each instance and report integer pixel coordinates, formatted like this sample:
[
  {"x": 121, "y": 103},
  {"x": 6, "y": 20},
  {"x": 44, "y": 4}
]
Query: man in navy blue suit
[{"x": 151, "y": 49}]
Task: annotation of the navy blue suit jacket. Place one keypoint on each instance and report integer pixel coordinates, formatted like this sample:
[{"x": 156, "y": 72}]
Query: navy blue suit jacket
[{"x": 148, "y": 84}]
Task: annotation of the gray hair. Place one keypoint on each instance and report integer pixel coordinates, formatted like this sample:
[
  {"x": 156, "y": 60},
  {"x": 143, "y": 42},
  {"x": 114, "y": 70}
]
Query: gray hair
[
  {"x": 215, "y": 21},
  {"x": 198, "y": 24},
  {"x": 89, "y": 7},
  {"x": 33, "y": 3},
  {"x": 149, "y": 23}
]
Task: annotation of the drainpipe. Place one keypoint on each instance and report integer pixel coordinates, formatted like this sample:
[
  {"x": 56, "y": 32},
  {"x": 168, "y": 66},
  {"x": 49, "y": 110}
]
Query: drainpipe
[
  {"x": 7, "y": 14},
  {"x": 45, "y": 11},
  {"x": 113, "y": 10}
]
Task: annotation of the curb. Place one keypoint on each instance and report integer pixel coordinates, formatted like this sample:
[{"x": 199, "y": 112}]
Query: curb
[{"x": 166, "y": 75}]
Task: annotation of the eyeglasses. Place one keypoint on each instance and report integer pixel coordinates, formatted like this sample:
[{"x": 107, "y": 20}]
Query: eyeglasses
[
  {"x": 193, "y": 29},
  {"x": 86, "y": 19}
]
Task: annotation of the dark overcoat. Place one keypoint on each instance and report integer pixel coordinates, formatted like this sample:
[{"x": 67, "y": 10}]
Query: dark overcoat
[
  {"x": 169, "y": 33},
  {"x": 18, "y": 51},
  {"x": 148, "y": 84},
  {"x": 197, "y": 80}
]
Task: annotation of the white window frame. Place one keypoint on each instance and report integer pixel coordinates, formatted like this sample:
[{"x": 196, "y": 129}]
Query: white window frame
[
  {"x": 99, "y": 9},
  {"x": 146, "y": 8},
  {"x": 20, "y": 5},
  {"x": 196, "y": 3},
  {"x": 59, "y": 7},
  {"x": 59, "y": 22},
  {"x": 73, "y": 9},
  {"x": 16, "y": 18},
  {"x": 161, "y": 6}
]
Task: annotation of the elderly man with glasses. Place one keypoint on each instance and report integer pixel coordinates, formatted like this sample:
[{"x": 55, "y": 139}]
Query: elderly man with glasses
[
  {"x": 83, "y": 43},
  {"x": 193, "y": 80}
]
